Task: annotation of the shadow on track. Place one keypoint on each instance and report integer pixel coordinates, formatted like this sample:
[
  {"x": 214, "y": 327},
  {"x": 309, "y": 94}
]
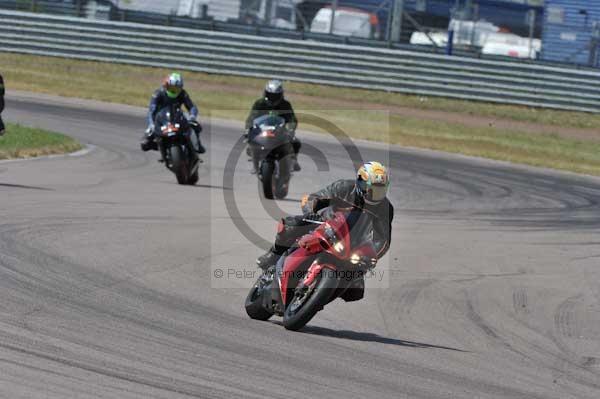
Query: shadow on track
[
  {"x": 210, "y": 186},
  {"x": 370, "y": 337},
  {"x": 199, "y": 185},
  {"x": 25, "y": 187}
]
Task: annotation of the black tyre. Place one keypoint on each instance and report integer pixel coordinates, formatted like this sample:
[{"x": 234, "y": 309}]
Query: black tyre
[
  {"x": 193, "y": 178},
  {"x": 266, "y": 172},
  {"x": 305, "y": 305},
  {"x": 178, "y": 164},
  {"x": 281, "y": 192},
  {"x": 282, "y": 181},
  {"x": 254, "y": 301}
]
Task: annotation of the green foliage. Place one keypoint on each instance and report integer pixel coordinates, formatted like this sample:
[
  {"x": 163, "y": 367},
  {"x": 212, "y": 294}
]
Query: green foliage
[{"x": 25, "y": 142}]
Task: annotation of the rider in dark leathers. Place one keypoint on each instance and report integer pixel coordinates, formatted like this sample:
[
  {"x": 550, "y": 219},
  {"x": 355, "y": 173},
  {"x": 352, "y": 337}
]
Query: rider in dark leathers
[
  {"x": 1, "y": 104},
  {"x": 368, "y": 192},
  {"x": 171, "y": 93},
  {"x": 273, "y": 101}
]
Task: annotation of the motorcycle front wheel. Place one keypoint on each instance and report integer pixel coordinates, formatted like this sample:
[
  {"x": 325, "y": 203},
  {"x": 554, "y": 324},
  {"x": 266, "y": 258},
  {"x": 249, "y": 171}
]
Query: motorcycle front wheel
[
  {"x": 281, "y": 182},
  {"x": 267, "y": 170},
  {"x": 307, "y": 301},
  {"x": 178, "y": 164}
]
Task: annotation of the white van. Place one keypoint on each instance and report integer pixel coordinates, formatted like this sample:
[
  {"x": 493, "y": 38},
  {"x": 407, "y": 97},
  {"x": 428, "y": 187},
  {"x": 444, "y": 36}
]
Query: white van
[
  {"x": 484, "y": 35},
  {"x": 516, "y": 50},
  {"x": 347, "y": 22}
]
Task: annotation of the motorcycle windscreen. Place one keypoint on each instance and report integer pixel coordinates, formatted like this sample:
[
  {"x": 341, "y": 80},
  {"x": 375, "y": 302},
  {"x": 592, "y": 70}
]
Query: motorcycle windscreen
[
  {"x": 269, "y": 120},
  {"x": 172, "y": 115}
]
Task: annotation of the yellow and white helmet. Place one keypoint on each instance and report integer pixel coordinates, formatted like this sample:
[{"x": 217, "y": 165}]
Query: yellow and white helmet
[{"x": 372, "y": 182}]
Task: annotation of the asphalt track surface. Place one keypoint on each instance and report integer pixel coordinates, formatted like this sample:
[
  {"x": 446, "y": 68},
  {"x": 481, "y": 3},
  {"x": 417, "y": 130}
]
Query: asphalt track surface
[{"x": 108, "y": 287}]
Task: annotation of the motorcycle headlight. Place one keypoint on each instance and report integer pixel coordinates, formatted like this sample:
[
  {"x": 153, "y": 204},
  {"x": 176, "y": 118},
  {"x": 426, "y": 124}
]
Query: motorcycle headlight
[{"x": 363, "y": 261}]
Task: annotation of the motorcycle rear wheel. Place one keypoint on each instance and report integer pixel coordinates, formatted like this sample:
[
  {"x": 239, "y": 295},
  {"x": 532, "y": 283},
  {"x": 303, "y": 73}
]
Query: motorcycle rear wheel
[{"x": 253, "y": 304}]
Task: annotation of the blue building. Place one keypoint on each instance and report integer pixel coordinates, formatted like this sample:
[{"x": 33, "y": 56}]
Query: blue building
[{"x": 572, "y": 31}]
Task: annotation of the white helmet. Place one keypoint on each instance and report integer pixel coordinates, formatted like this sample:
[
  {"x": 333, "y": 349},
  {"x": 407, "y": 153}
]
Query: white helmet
[{"x": 372, "y": 182}]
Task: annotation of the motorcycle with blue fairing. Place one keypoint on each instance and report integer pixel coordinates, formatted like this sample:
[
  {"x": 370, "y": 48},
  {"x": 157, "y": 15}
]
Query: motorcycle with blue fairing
[
  {"x": 271, "y": 151},
  {"x": 174, "y": 138}
]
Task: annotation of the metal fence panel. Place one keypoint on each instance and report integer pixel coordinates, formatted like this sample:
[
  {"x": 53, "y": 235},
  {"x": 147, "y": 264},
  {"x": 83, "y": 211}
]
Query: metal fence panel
[{"x": 300, "y": 60}]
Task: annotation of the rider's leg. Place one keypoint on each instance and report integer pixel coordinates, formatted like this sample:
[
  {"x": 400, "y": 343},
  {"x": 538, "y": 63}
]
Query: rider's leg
[
  {"x": 197, "y": 129},
  {"x": 288, "y": 231}
]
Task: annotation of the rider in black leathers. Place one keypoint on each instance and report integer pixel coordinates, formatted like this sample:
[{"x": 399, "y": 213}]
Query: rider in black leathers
[
  {"x": 171, "y": 93},
  {"x": 368, "y": 192},
  {"x": 273, "y": 101}
]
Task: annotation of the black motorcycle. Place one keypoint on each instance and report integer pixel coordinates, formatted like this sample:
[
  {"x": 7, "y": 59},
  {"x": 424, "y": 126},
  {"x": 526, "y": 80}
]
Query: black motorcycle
[
  {"x": 174, "y": 135},
  {"x": 271, "y": 150}
]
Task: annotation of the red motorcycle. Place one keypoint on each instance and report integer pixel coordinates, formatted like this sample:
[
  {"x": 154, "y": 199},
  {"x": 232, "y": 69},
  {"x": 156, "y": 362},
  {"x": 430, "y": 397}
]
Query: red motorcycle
[{"x": 328, "y": 263}]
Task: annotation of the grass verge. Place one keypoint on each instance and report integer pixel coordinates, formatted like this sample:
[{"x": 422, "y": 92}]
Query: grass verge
[
  {"x": 230, "y": 97},
  {"x": 26, "y": 142}
]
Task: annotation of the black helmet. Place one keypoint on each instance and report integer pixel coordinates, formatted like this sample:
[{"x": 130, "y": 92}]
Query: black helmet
[{"x": 274, "y": 92}]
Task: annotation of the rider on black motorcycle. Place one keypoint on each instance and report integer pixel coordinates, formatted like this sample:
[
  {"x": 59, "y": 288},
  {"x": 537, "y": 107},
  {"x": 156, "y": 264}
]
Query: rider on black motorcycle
[
  {"x": 273, "y": 101},
  {"x": 368, "y": 193},
  {"x": 171, "y": 93}
]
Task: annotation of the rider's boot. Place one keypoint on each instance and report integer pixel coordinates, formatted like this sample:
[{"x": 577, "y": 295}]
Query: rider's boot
[
  {"x": 148, "y": 141},
  {"x": 270, "y": 258},
  {"x": 297, "y": 167},
  {"x": 201, "y": 149}
]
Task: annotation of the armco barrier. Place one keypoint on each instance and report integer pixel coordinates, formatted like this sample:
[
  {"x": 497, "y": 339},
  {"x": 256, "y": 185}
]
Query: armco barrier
[{"x": 300, "y": 60}]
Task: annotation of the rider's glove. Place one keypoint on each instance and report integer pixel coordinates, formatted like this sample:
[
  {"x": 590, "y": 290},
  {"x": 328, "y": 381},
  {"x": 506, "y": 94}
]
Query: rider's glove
[
  {"x": 310, "y": 243},
  {"x": 291, "y": 131}
]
